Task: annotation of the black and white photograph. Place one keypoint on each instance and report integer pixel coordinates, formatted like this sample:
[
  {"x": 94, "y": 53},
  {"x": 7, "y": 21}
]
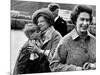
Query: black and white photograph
[{"x": 49, "y": 37}]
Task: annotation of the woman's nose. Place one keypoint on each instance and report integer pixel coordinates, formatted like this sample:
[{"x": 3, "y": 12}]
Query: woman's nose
[
  {"x": 85, "y": 22},
  {"x": 39, "y": 24}
]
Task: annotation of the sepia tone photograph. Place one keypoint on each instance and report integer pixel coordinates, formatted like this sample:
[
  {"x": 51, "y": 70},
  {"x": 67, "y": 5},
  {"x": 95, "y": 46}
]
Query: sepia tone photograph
[{"x": 52, "y": 37}]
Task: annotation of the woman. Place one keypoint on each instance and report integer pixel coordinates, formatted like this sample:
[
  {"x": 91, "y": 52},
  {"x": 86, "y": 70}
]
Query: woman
[
  {"x": 50, "y": 38},
  {"x": 77, "y": 50}
]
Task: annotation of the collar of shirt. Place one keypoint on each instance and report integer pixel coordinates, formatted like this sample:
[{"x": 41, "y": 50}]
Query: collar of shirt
[
  {"x": 56, "y": 18},
  {"x": 75, "y": 35}
]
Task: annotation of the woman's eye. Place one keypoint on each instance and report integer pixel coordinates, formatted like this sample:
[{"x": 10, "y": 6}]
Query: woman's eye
[
  {"x": 87, "y": 19},
  {"x": 82, "y": 19}
]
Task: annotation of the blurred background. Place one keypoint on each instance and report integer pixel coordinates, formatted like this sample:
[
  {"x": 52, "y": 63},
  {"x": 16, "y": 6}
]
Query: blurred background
[{"x": 20, "y": 14}]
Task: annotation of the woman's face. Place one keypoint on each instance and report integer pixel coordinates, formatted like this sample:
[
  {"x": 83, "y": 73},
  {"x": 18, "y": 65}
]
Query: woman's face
[
  {"x": 82, "y": 22},
  {"x": 42, "y": 23}
]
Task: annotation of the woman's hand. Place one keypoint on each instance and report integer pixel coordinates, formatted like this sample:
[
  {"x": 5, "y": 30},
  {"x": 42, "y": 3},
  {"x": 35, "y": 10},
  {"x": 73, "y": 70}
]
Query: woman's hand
[
  {"x": 78, "y": 68},
  {"x": 89, "y": 66},
  {"x": 92, "y": 66},
  {"x": 73, "y": 68}
]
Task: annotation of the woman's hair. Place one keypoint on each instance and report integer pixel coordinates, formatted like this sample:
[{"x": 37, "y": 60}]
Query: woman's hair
[
  {"x": 53, "y": 6},
  {"x": 78, "y": 9}
]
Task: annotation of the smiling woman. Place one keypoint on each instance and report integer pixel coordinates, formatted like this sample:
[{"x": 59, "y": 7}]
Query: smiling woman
[
  {"x": 43, "y": 23},
  {"x": 76, "y": 50},
  {"x": 82, "y": 23}
]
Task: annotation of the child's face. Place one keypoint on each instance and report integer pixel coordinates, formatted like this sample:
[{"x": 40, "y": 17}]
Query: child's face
[
  {"x": 32, "y": 33},
  {"x": 29, "y": 33},
  {"x": 29, "y": 30}
]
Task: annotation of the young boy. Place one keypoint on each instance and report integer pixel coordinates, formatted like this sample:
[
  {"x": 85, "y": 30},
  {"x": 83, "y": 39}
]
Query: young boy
[
  {"x": 27, "y": 59},
  {"x": 32, "y": 33}
]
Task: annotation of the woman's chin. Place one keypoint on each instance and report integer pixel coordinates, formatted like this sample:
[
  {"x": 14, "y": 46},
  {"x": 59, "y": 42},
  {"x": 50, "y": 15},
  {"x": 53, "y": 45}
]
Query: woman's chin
[
  {"x": 84, "y": 30},
  {"x": 41, "y": 29}
]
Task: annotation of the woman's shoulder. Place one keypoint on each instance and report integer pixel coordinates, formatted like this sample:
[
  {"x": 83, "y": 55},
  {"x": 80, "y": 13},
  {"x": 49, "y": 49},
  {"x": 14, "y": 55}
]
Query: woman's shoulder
[
  {"x": 66, "y": 39},
  {"x": 91, "y": 36},
  {"x": 56, "y": 34}
]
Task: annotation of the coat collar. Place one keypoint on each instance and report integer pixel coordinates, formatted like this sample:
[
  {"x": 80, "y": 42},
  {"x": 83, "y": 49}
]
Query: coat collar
[
  {"x": 56, "y": 18},
  {"x": 75, "y": 35},
  {"x": 48, "y": 34}
]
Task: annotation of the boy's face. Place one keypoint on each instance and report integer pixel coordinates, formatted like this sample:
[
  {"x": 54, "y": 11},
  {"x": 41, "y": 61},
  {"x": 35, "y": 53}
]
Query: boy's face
[
  {"x": 29, "y": 29},
  {"x": 32, "y": 34},
  {"x": 32, "y": 31},
  {"x": 29, "y": 33},
  {"x": 35, "y": 35}
]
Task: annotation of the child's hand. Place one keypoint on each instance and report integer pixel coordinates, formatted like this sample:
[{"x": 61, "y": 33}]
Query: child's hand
[
  {"x": 30, "y": 46},
  {"x": 33, "y": 49}
]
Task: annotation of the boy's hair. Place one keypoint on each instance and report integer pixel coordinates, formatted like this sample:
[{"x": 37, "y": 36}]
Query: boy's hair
[
  {"x": 53, "y": 6},
  {"x": 81, "y": 8},
  {"x": 29, "y": 29}
]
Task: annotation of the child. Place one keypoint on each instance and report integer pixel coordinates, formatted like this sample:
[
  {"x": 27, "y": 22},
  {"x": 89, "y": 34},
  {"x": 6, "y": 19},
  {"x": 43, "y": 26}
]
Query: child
[
  {"x": 26, "y": 59},
  {"x": 33, "y": 35}
]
